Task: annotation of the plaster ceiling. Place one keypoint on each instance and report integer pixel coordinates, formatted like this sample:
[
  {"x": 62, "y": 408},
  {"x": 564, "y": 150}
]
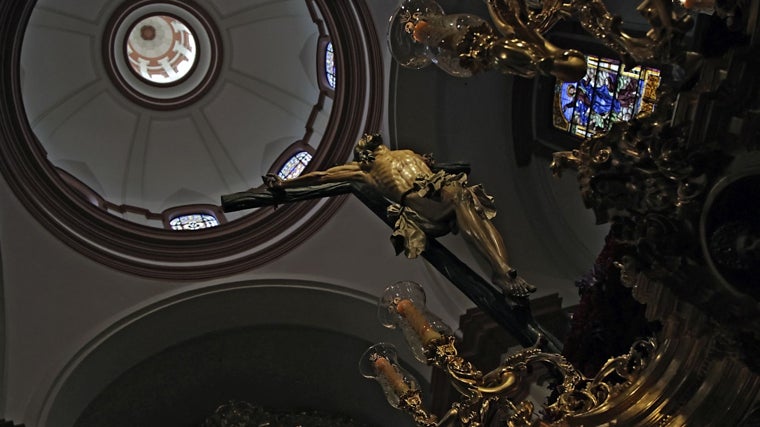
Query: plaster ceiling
[{"x": 139, "y": 156}]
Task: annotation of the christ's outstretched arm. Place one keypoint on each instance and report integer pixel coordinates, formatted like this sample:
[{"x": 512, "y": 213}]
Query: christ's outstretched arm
[{"x": 350, "y": 172}]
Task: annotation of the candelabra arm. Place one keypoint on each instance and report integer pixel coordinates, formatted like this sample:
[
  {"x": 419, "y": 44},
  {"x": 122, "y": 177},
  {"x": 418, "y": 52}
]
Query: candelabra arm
[
  {"x": 515, "y": 20},
  {"x": 506, "y": 16},
  {"x": 449, "y": 417},
  {"x": 562, "y": 160},
  {"x": 551, "y": 12},
  {"x": 524, "y": 50},
  {"x": 502, "y": 17},
  {"x": 507, "y": 380},
  {"x": 600, "y": 23},
  {"x": 411, "y": 403},
  {"x": 442, "y": 354}
]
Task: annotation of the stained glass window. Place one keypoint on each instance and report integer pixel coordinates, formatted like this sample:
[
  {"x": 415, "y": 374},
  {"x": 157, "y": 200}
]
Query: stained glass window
[
  {"x": 195, "y": 221},
  {"x": 295, "y": 165},
  {"x": 608, "y": 93},
  {"x": 330, "y": 65}
]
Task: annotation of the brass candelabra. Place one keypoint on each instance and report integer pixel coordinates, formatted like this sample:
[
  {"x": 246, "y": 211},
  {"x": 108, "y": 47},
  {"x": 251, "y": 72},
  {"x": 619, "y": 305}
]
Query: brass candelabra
[
  {"x": 420, "y": 33},
  {"x": 498, "y": 397}
]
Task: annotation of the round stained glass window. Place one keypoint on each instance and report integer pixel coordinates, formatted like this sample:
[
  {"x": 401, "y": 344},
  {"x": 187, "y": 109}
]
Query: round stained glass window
[{"x": 161, "y": 49}]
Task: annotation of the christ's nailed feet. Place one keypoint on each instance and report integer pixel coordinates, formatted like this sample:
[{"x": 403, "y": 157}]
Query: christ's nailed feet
[{"x": 513, "y": 285}]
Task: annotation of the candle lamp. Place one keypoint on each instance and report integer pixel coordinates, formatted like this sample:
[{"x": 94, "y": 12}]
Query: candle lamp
[
  {"x": 402, "y": 306},
  {"x": 380, "y": 362},
  {"x": 702, "y": 6},
  {"x": 401, "y": 389}
]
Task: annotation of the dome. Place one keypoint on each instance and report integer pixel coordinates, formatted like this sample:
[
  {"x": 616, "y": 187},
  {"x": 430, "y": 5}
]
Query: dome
[{"x": 139, "y": 112}]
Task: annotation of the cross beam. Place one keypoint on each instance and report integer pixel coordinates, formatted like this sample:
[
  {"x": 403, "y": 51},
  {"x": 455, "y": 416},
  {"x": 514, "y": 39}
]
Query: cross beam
[{"x": 514, "y": 315}]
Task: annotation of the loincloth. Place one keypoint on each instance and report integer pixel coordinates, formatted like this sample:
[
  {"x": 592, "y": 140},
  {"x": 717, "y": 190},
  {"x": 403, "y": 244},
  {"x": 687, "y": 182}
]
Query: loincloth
[{"x": 411, "y": 229}]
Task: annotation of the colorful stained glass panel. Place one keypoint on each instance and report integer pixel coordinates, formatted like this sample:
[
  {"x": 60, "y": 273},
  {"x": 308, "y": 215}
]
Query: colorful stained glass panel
[
  {"x": 193, "y": 222},
  {"x": 330, "y": 65},
  {"x": 608, "y": 93},
  {"x": 295, "y": 165}
]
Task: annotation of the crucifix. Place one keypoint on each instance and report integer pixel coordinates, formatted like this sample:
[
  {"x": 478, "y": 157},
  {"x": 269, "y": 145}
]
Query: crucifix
[{"x": 420, "y": 201}]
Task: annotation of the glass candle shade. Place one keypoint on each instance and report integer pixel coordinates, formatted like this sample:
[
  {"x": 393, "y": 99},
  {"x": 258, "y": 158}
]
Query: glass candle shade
[
  {"x": 403, "y": 306},
  {"x": 405, "y": 50},
  {"x": 448, "y": 37},
  {"x": 420, "y": 33},
  {"x": 380, "y": 362}
]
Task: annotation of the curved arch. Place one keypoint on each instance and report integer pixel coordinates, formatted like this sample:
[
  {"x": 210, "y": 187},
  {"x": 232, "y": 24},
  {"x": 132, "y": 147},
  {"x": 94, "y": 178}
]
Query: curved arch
[
  {"x": 234, "y": 247},
  {"x": 267, "y": 305},
  {"x": 3, "y": 327}
]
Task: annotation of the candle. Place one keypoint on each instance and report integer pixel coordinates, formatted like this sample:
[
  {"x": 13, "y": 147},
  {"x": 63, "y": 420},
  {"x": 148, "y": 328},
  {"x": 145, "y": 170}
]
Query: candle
[
  {"x": 389, "y": 373},
  {"x": 421, "y": 31},
  {"x": 699, "y": 5},
  {"x": 417, "y": 321}
]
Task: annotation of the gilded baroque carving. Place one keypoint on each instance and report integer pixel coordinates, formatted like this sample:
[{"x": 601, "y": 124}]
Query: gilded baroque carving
[{"x": 680, "y": 187}]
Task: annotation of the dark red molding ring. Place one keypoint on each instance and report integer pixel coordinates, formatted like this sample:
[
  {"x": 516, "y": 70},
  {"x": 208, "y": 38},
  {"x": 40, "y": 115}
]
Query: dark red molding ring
[{"x": 164, "y": 254}]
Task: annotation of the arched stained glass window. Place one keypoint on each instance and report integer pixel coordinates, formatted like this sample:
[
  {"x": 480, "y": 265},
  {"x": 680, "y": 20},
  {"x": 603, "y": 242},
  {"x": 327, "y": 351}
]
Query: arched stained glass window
[
  {"x": 330, "y": 65},
  {"x": 295, "y": 165},
  {"x": 608, "y": 93},
  {"x": 196, "y": 221}
]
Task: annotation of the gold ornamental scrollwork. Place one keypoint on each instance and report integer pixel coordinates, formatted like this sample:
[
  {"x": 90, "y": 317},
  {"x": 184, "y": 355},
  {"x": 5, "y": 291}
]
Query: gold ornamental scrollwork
[
  {"x": 652, "y": 179},
  {"x": 501, "y": 393}
]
